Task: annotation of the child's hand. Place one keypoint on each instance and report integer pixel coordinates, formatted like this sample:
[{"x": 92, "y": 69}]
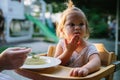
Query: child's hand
[
  {"x": 80, "y": 72},
  {"x": 73, "y": 43}
]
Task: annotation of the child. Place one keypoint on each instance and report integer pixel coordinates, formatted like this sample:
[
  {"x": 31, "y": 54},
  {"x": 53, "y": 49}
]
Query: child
[{"x": 73, "y": 49}]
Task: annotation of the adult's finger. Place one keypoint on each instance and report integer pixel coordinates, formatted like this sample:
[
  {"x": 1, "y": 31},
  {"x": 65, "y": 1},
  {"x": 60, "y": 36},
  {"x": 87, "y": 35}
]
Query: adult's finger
[
  {"x": 20, "y": 51},
  {"x": 16, "y": 48}
]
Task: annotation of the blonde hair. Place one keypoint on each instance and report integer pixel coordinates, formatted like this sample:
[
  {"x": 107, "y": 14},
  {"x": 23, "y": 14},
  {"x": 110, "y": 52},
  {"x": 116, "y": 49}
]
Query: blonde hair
[{"x": 61, "y": 23}]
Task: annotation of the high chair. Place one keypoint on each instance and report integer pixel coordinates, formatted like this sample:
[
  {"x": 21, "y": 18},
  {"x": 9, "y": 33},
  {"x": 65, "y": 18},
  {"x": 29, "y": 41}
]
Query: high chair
[{"x": 108, "y": 61}]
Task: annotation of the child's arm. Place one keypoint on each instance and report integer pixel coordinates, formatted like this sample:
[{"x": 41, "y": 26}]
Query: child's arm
[
  {"x": 94, "y": 63},
  {"x": 64, "y": 56},
  {"x": 92, "y": 66}
]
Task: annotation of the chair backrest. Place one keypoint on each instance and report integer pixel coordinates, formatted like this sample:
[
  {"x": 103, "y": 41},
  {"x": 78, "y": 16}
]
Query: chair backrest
[
  {"x": 51, "y": 50},
  {"x": 106, "y": 57}
]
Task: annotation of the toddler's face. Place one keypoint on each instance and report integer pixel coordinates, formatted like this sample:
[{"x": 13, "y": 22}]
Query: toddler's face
[{"x": 75, "y": 24}]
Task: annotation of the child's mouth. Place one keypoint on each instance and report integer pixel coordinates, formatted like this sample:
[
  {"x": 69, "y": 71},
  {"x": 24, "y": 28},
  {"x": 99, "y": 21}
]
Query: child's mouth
[{"x": 76, "y": 32}]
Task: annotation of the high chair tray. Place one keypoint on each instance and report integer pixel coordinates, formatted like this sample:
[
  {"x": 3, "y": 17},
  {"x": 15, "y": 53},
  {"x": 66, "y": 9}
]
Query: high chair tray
[{"x": 62, "y": 73}]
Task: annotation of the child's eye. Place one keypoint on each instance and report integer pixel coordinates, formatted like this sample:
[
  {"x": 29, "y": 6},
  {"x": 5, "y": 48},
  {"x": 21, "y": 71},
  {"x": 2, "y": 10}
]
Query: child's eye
[
  {"x": 72, "y": 24},
  {"x": 81, "y": 24}
]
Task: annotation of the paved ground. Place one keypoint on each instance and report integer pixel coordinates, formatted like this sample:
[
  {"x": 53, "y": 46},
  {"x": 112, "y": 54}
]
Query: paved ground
[{"x": 39, "y": 46}]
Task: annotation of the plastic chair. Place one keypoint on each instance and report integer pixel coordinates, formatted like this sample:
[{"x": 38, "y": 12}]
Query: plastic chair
[{"x": 108, "y": 60}]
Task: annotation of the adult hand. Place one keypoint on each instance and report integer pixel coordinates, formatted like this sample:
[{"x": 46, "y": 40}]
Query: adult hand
[{"x": 13, "y": 58}]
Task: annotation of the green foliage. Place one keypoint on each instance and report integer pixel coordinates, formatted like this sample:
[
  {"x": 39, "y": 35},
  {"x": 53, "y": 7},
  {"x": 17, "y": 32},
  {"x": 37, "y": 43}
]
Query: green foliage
[
  {"x": 98, "y": 25},
  {"x": 106, "y": 6},
  {"x": 58, "y": 7}
]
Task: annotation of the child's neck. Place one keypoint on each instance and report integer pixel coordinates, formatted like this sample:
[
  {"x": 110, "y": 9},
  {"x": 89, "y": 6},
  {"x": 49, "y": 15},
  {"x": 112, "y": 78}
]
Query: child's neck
[{"x": 82, "y": 45}]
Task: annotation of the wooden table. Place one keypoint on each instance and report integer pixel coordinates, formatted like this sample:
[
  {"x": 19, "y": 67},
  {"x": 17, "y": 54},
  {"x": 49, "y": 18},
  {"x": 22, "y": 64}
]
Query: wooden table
[{"x": 62, "y": 73}]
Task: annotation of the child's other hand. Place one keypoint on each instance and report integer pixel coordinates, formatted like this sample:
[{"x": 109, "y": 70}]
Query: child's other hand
[{"x": 80, "y": 72}]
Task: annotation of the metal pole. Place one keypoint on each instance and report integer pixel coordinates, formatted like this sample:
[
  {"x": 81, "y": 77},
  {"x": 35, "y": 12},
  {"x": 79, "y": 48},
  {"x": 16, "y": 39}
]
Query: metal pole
[{"x": 117, "y": 29}]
